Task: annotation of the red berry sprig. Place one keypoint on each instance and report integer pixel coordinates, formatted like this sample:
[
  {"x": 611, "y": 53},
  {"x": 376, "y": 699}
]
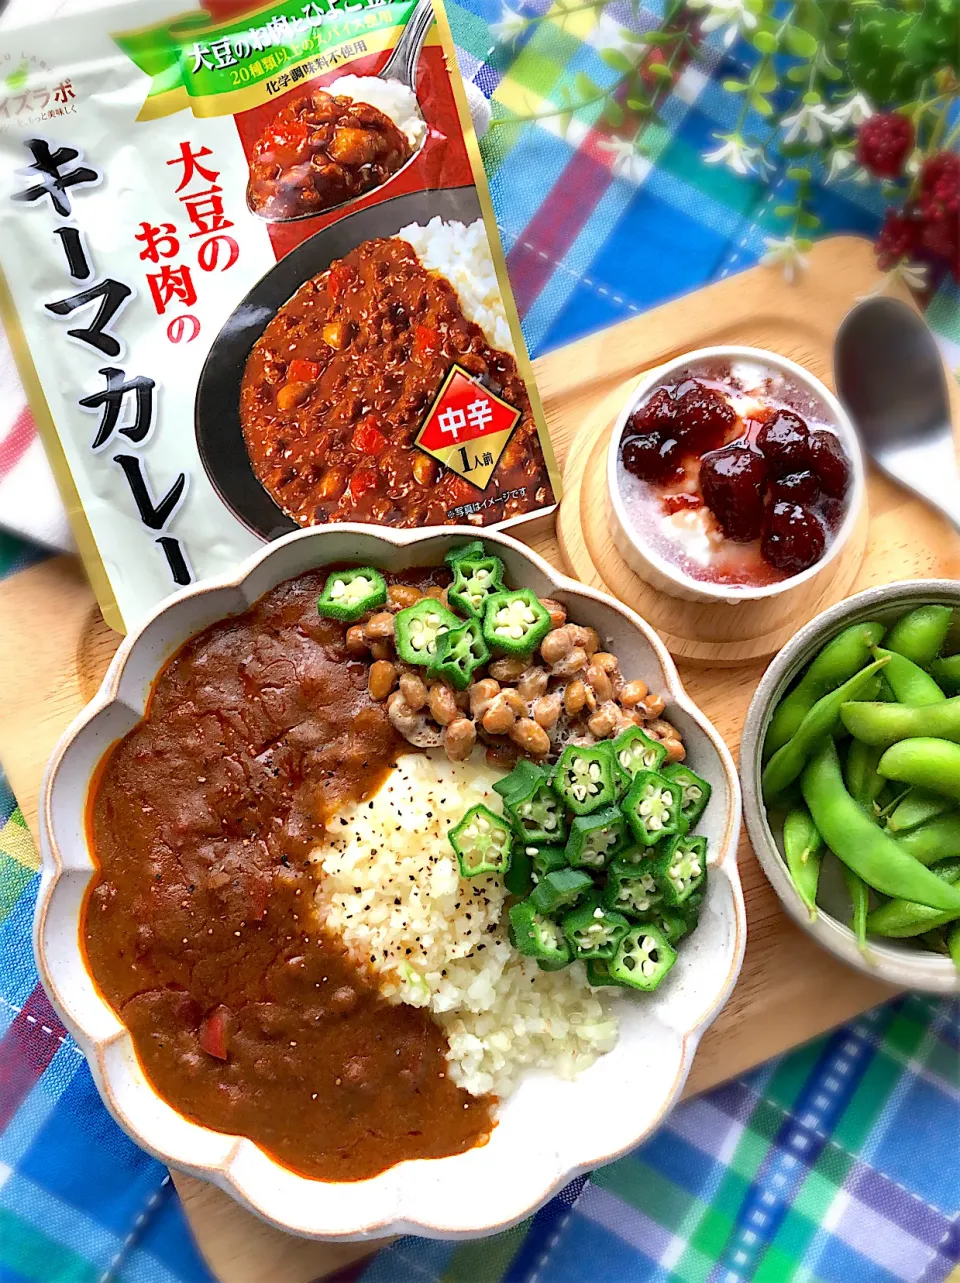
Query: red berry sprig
[
  {"x": 898, "y": 239},
  {"x": 929, "y": 222},
  {"x": 884, "y": 143}
]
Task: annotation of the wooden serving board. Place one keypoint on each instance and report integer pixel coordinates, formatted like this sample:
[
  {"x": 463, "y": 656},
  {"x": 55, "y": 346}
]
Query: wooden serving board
[{"x": 54, "y": 649}]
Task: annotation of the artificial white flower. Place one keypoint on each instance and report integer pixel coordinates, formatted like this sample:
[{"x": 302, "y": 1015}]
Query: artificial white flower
[
  {"x": 510, "y": 26},
  {"x": 841, "y": 159},
  {"x": 611, "y": 34},
  {"x": 812, "y": 121},
  {"x": 627, "y": 162},
  {"x": 843, "y": 165},
  {"x": 784, "y": 253},
  {"x": 732, "y": 14},
  {"x": 853, "y": 112},
  {"x": 912, "y": 274},
  {"x": 736, "y": 154}
]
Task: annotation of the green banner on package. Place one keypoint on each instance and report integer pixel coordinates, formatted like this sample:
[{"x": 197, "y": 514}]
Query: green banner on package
[{"x": 220, "y": 69}]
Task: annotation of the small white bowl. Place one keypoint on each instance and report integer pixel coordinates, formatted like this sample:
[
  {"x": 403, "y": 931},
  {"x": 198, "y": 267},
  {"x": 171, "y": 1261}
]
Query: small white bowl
[
  {"x": 900, "y": 962},
  {"x": 608, "y": 1109},
  {"x": 665, "y": 575}
]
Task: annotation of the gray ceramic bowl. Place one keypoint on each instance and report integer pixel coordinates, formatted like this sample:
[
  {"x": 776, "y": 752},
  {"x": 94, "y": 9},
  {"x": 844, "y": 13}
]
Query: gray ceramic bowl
[{"x": 901, "y": 963}]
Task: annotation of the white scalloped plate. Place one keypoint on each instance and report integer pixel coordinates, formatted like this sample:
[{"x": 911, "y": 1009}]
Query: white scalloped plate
[{"x": 548, "y": 1130}]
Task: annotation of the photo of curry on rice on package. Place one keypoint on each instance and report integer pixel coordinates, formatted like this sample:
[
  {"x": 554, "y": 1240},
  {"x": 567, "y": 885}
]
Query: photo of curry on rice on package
[{"x": 261, "y": 288}]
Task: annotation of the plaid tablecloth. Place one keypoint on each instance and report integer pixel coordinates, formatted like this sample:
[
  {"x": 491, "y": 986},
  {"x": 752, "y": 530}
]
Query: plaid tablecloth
[{"x": 836, "y": 1163}]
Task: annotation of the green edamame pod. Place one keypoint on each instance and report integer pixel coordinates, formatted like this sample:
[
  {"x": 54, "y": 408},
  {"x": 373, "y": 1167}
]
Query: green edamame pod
[
  {"x": 928, "y": 763},
  {"x": 778, "y": 806},
  {"x": 803, "y": 852},
  {"x": 920, "y": 633},
  {"x": 947, "y": 671},
  {"x": 845, "y": 655},
  {"x": 863, "y": 782},
  {"x": 938, "y": 839},
  {"x": 885, "y": 694},
  {"x": 869, "y": 695},
  {"x": 915, "y": 809},
  {"x": 909, "y": 683},
  {"x": 860, "y": 906},
  {"x": 823, "y": 719},
  {"x": 934, "y": 941},
  {"x": 862, "y": 845},
  {"x": 903, "y": 918},
  {"x": 886, "y": 724},
  {"x": 953, "y": 944},
  {"x": 890, "y": 798}
]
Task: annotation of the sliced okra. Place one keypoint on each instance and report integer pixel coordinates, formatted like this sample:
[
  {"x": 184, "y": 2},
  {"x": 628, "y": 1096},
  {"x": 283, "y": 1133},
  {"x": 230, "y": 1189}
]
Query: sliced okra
[
  {"x": 691, "y": 907},
  {"x": 652, "y": 807},
  {"x": 533, "y": 806},
  {"x": 598, "y": 973},
  {"x": 585, "y": 777},
  {"x": 474, "y": 548},
  {"x": 694, "y": 791},
  {"x": 418, "y": 629},
  {"x": 592, "y": 930},
  {"x": 633, "y": 854},
  {"x": 460, "y": 652},
  {"x": 475, "y": 579},
  {"x": 547, "y": 859},
  {"x": 634, "y": 751},
  {"x": 518, "y": 878},
  {"x": 348, "y": 594},
  {"x": 671, "y": 922},
  {"x": 643, "y": 958},
  {"x": 482, "y": 842},
  {"x": 560, "y": 889},
  {"x": 537, "y": 936},
  {"x": 680, "y": 867},
  {"x": 515, "y": 623},
  {"x": 595, "y": 839},
  {"x": 632, "y": 889}
]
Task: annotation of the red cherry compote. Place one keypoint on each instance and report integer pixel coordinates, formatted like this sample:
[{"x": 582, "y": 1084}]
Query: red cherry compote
[
  {"x": 735, "y": 474},
  {"x": 733, "y": 481}
]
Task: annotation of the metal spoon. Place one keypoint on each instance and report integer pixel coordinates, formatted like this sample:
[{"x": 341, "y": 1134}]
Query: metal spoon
[
  {"x": 402, "y": 63},
  {"x": 402, "y": 66},
  {"x": 889, "y": 375}
]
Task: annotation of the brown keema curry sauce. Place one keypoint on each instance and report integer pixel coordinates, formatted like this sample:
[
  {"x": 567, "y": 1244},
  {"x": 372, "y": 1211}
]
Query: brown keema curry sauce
[
  {"x": 198, "y": 928},
  {"x": 320, "y": 151},
  {"x": 339, "y": 384}
]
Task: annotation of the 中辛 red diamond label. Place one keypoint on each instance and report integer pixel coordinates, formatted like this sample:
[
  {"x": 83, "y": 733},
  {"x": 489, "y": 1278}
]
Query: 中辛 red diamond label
[{"x": 468, "y": 427}]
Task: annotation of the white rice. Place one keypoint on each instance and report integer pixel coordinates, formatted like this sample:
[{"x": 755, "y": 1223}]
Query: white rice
[
  {"x": 394, "y": 847},
  {"x": 391, "y": 889},
  {"x": 393, "y": 98},
  {"x": 461, "y": 253}
]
